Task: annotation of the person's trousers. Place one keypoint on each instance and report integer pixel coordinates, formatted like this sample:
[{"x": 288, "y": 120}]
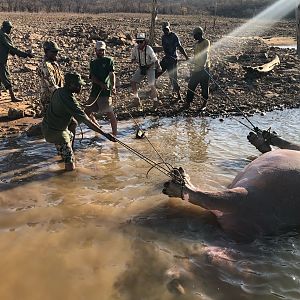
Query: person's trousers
[
  {"x": 198, "y": 77},
  {"x": 4, "y": 76},
  {"x": 169, "y": 64}
]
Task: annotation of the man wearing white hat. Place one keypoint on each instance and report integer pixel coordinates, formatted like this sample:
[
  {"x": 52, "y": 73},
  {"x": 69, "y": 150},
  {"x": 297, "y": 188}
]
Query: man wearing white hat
[
  {"x": 144, "y": 55},
  {"x": 102, "y": 75}
]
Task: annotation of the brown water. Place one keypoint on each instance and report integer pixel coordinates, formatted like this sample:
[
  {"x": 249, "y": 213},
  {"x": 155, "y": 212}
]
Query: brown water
[{"x": 106, "y": 231}]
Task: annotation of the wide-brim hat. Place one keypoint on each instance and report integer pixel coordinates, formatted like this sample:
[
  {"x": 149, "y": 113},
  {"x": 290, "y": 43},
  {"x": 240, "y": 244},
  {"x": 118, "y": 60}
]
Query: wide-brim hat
[
  {"x": 140, "y": 37},
  {"x": 51, "y": 46},
  {"x": 100, "y": 45},
  {"x": 73, "y": 79},
  {"x": 7, "y": 24}
]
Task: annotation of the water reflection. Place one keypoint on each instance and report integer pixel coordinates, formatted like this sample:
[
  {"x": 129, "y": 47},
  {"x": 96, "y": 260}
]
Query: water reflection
[{"x": 105, "y": 231}]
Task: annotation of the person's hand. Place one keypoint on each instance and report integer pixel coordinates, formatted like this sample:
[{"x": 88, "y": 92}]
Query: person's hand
[{"x": 109, "y": 136}]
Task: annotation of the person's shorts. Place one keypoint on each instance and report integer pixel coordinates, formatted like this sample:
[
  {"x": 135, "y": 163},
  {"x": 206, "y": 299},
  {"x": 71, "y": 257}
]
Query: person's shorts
[
  {"x": 4, "y": 76},
  {"x": 102, "y": 105},
  {"x": 138, "y": 77}
]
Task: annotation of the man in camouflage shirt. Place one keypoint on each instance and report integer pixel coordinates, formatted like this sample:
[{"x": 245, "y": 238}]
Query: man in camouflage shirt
[
  {"x": 7, "y": 47},
  {"x": 64, "y": 107},
  {"x": 50, "y": 74}
]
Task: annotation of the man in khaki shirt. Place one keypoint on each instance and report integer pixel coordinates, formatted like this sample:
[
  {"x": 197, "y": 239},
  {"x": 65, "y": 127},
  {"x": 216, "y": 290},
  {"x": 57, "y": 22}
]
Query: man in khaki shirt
[{"x": 200, "y": 71}]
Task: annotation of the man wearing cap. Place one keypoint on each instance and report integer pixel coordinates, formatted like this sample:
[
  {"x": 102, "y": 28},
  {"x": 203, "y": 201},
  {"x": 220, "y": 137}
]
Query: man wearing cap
[
  {"x": 200, "y": 71},
  {"x": 50, "y": 74},
  {"x": 144, "y": 55},
  {"x": 171, "y": 43},
  {"x": 7, "y": 47},
  {"x": 62, "y": 108},
  {"x": 102, "y": 74}
]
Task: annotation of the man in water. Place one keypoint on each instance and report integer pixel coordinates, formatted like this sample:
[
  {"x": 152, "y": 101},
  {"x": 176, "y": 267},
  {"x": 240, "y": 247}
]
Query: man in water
[
  {"x": 62, "y": 108},
  {"x": 171, "y": 43},
  {"x": 200, "y": 71},
  {"x": 7, "y": 47},
  {"x": 102, "y": 74}
]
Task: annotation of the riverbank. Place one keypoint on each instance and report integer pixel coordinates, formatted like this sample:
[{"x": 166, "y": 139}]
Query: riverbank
[{"x": 75, "y": 34}]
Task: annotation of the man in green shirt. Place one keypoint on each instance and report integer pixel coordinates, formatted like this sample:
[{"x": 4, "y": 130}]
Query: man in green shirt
[
  {"x": 102, "y": 74},
  {"x": 7, "y": 47},
  {"x": 200, "y": 70},
  {"x": 62, "y": 108}
]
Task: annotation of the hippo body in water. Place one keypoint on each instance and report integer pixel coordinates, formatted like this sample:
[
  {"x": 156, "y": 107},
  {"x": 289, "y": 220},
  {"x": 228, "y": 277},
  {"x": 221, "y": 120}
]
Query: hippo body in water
[{"x": 262, "y": 199}]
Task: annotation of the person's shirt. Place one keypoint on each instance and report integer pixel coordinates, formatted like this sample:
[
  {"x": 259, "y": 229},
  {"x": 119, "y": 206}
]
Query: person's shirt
[
  {"x": 62, "y": 107},
  {"x": 51, "y": 76},
  {"x": 144, "y": 57},
  {"x": 170, "y": 43},
  {"x": 201, "y": 55},
  {"x": 7, "y": 47},
  {"x": 101, "y": 68}
]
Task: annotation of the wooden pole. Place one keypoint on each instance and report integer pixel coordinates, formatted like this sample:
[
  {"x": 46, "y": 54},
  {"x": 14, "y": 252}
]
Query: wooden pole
[
  {"x": 298, "y": 29},
  {"x": 153, "y": 19}
]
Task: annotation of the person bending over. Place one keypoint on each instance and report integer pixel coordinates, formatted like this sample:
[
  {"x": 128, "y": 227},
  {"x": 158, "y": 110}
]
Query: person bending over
[{"x": 62, "y": 108}]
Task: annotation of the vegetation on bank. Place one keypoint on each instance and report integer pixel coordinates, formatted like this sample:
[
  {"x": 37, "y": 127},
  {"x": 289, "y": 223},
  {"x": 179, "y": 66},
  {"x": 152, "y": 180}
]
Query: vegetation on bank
[{"x": 228, "y": 8}]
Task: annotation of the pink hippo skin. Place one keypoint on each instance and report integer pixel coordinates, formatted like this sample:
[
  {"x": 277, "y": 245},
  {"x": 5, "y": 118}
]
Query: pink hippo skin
[{"x": 262, "y": 199}]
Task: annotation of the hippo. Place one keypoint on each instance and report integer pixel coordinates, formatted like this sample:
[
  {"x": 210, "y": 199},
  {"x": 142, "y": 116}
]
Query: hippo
[{"x": 263, "y": 199}]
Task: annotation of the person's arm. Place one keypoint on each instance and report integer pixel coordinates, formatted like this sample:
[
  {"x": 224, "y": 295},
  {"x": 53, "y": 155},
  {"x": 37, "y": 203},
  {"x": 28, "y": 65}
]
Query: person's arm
[
  {"x": 182, "y": 51},
  {"x": 96, "y": 128},
  {"x": 180, "y": 48},
  {"x": 112, "y": 78},
  {"x": 152, "y": 56},
  {"x": 95, "y": 80},
  {"x": 6, "y": 41}
]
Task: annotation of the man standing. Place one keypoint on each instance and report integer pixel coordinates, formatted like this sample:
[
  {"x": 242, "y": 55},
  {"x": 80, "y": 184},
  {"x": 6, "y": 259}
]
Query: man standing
[
  {"x": 50, "y": 74},
  {"x": 200, "y": 72},
  {"x": 144, "y": 55},
  {"x": 102, "y": 74},
  {"x": 171, "y": 43},
  {"x": 7, "y": 47},
  {"x": 62, "y": 108}
]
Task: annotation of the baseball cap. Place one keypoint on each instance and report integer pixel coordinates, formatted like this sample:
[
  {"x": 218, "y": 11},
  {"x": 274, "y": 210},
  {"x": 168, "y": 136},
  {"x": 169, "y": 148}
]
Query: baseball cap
[
  {"x": 100, "y": 45},
  {"x": 140, "y": 36}
]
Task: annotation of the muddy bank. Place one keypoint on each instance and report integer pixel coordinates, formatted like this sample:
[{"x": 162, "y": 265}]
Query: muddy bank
[{"x": 76, "y": 34}]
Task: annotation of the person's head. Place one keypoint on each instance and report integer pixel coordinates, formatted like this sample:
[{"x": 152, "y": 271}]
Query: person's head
[
  {"x": 6, "y": 27},
  {"x": 198, "y": 33},
  {"x": 51, "y": 49},
  {"x": 166, "y": 27},
  {"x": 141, "y": 40},
  {"x": 73, "y": 82},
  {"x": 100, "y": 48}
]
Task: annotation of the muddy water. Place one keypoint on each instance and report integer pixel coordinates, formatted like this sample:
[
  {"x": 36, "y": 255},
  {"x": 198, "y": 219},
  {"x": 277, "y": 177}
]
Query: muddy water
[{"x": 106, "y": 231}]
